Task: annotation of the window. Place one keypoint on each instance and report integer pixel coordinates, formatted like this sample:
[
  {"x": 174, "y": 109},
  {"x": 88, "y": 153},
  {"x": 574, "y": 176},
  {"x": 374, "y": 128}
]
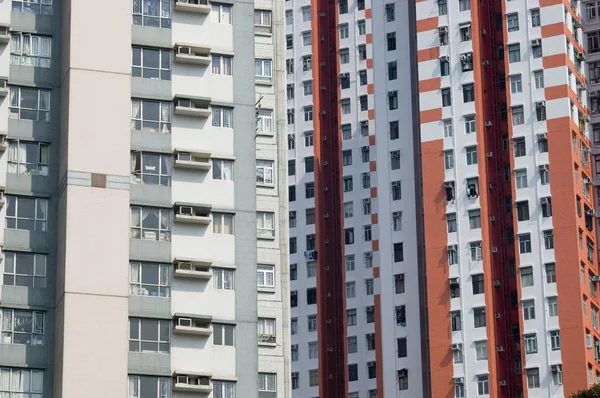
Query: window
[
  {"x": 349, "y": 259},
  {"x": 367, "y": 233},
  {"x": 305, "y": 14},
  {"x": 139, "y": 386},
  {"x": 349, "y": 236},
  {"x": 312, "y": 323},
  {"x": 444, "y": 67},
  {"x": 351, "y": 317},
  {"x": 30, "y": 50},
  {"x": 265, "y": 225},
  {"x": 267, "y": 382},
  {"x": 540, "y": 111},
  {"x": 446, "y": 97},
  {"x": 542, "y": 140},
  {"x": 451, "y": 222},
  {"x": 398, "y": 252},
  {"x": 390, "y": 13},
  {"x": 470, "y": 126},
  {"x": 465, "y": 32},
  {"x": 549, "y": 240},
  {"x": 222, "y": 169},
  {"x": 306, "y": 38},
  {"x": 309, "y": 164},
  {"x": 223, "y": 223},
  {"x": 474, "y": 219},
  {"x": 313, "y": 350},
  {"x": 531, "y": 346},
  {"x": 344, "y": 30},
  {"x": 28, "y": 158},
  {"x": 478, "y": 283},
  {"x": 514, "y": 53},
  {"x": 533, "y": 378},
  {"x": 535, "y": 18},
  {"x": 476, "y": 254},
  {"x": 309, "y": 190},
  {"x": 149, "y": 335},
  {"x": 399, "y": 284},
  {"x": 145, "y": 279},
  {"x": 223, "y": 334},
  {"x": 307, "y": 86},
  {"x": 348, "y": 185},
  {"x": 343, "y": 4},
  {"x": 522, "y": 211},
  {"x": 391, "y": 41},
  {"x": 289, "y": 17},
  {"x": 150, "y": 168},
  {"x": 459, "y": 388},
  {"x": 521, "y": 178},
  {"x": 395, "y": 160},
  {"x": 393, "y": 100},
  {"x": 528, "y": 310},
  {"x": 29, "y": 104},
  {"x": 471, "y": 153},
  {"x": 264, "y": 172},
  {"x": 33, "y": 6},
  {"x": 262, "y": 21},
  {"x": 223, "y": 389},
  {"x": 397, "y": 221},
  {"x": 552, "y": 306},
  {"x": 371, "y": 370},
  {"x": 369, "y": 287},
  {"x": 456, "y": 321},
  {"x": 557, "y": 375},
  {"x": 308, "y": 113},
  {"x": 544, "y": 175},
  {"x": 479, "y": 317},
  {"x": 483, "y": 385},
  {"x": 525, "y": 243},
  {"x": 538, "y": 77},
  {"x": 442, "y": 7},
  {"x": 526, "y": 276},
  {"x": 292, "y": 193},
  {"x": 350, "y": 289},
  {"x": 550, "y": 273},
  {"x": 344, "y": 56},
  {"x": 555, "y": 340},
  {"x": 396, "y": 190},
  {"x": 293, "y": 245},
  {"x": 364, "y": 102},
  {"x": 512, "y": 21},
  {"x": 266, "y": 276},
  {"x": 518, "y": 117},
  {"x": 26, "y": 213},
  {"x": 263, "y": 69},
  {"x": 516, "y": 85},
  {"x": 155, "y": 116},
  {"x": 352, "y": 344},
  {"x": 348, "y": 209},
  {"x": 157, "y": 13},
  {"x": 264, "y": 122},
  {"x": 311, "y": 296},
  {"x": 464, "y": 5},
  {"x": 481, "y": 350},
  {"x": 352, "y": 372},
  {"x": 266, "y": 330}
]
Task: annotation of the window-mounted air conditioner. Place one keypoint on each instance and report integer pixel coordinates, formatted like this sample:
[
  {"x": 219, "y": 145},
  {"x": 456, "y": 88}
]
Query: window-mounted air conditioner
[
  {"x": 184, "y": 156},
  {"x": 459, "y": 380},
  {"x": 536, "y": 42},
  {"x": 497, "y": 283},
  {"x": 488, "y": 123},
  {"x": 396, "y": 214},
  {"x": 457, "y": 346},
  {"x": 184, "y": 266},
  {"x": 185, "y": 322},
  {"x": 184, "y": 50},
  {"x": 595, "y": 278},
  {"x": 502, "y": 383},
  {"x": 395, "y": 183},
  {"x": 544, "y": 201}
]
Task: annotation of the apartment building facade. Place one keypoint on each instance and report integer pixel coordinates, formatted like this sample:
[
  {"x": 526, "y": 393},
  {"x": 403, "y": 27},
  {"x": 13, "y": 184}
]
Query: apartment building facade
[
  {"x": 144, "y": 199},
  {"x": 353, "y": 193},
  {"x": 511, "y": 255}
]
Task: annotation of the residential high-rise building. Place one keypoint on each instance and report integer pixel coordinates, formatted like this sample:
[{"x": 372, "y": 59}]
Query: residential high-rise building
[
  {"x": 451, "y": 139},
  {"x": 144, "y": 190},
  {"x": 353, "y": 193}
]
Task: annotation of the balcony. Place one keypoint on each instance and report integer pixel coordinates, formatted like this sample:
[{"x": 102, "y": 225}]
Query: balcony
[
  {"x": 3, "y": 142},
  {"x": 192, "y": 106},
  {"x": 192, "y": 54},
  {"x": 192, "y": 268},
  {"x": 190, "y": 159},
  {"x": 197, "y": 325},
  {"x": 194, "y": 382},
  {"x": 193, "y": 213},
  {"x": 4, "y": 33},
  {"x": 197, "y": 6}
]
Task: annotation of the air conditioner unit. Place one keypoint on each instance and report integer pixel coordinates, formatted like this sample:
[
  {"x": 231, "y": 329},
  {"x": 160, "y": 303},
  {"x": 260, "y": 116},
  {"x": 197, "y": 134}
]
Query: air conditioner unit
[
  {"x": 497, "y": 283},
  {"x": 345, "y": 74},
  {"x": 310, "y": 254},
  {"x": 395, "y": 183},
  {"x": 403, "y": 372},
  {"x": 490, "y": 154},
  {"x": 459, "y": 380},
  {"x": 443, "y": 29},
  {"x": 543, "y": 136},
  {"x": 555, "y": 368},
  {"x": 182, "y": 379},
  {"x": 185, "y": 322},
  {"x": 323, "y": 88},
  {"x": 483, "y": 32},
  {"x": 369, "y": 255},
  {"x": 184, "y": 156},
  {"x": 454, "y": 281},
  {"x": 3, "y": 83},
  {"x": 492, "y": 218},
  {"x": 457, "y": 346},
  {"x": 542, "y": 104},
  {"x": 395, "y": 155},
  {"x": 544, "y": 167},
  {"x": 184, "y": 103},
  {"x": 397, "y": 214},
  {"x": 498, "y": 315},
  {"x": 593, "y": 93},
  {"x": 488, "y": 123},
  {"x": 500, "y": 348},
  {"x": 445, "y": 58},
  {"x": 486, "y": 63},
  {"x": 590, "y": 212},
  {"x": 184, "y": 266},
  {"x": 186, "y": 210},
  {"x": 183, "y": 1},
  {"x": 536, "y": 42},
  {"x": 595, "y": 278},
  {"x": 502, "y": 383},
  {"x": 544, "y": 201},
  {"x": 4, "y": 30},
  {"x": 494, "y": 250},
  {"x": 184, "y": 50}
]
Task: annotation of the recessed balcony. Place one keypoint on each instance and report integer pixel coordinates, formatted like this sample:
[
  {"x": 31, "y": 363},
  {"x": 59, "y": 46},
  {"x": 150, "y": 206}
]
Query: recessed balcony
[
  {"x": 192, "y": 268},
  {"x": 198, "y": 325},
  {"x": 193, "y": 213},
  {"x": 192, "y": 106},
  {"x": 190, "y": 159},
  {"x": 192, "y": 54},
  {"x": 197, "y": 6}
]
